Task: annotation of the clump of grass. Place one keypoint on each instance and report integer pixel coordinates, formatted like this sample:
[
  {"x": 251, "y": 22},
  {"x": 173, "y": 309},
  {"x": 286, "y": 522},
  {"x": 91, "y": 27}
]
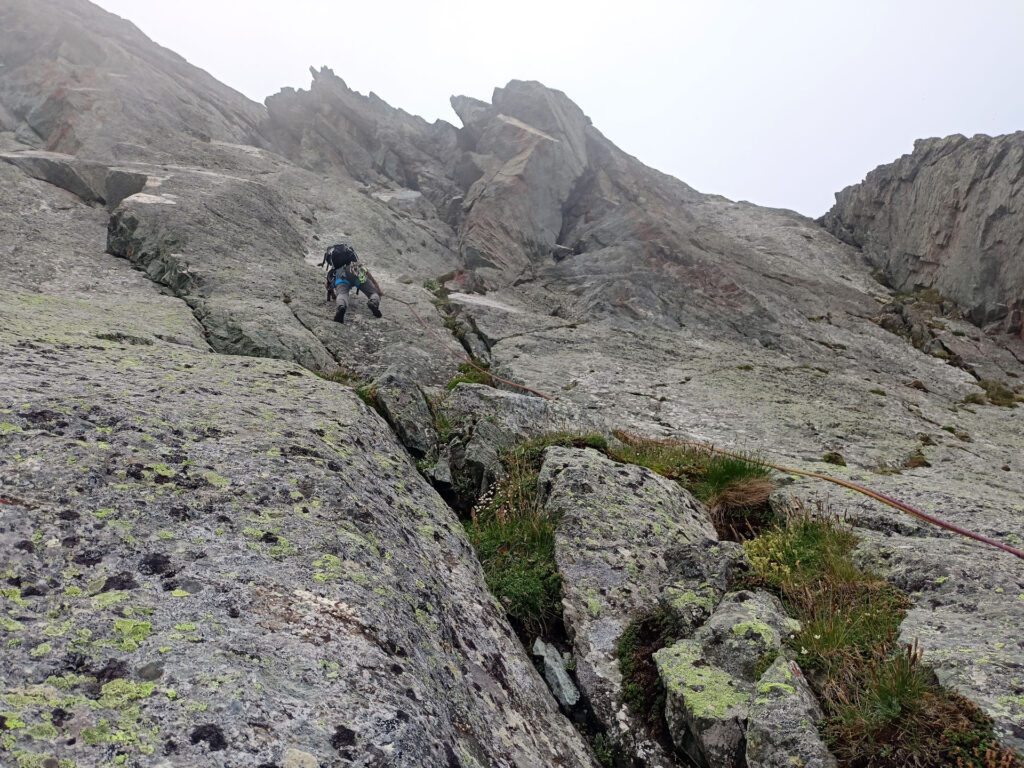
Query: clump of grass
[
  {"x": 343, "y": 376},
  {"x": 515, "y": 539},
  {"x": 916, "y": 460},
  {"x": 471, "y": 374},
  {"x": 735, "y": 488},
  {"x": 832, "y": 457},
  {"x": 883, "y": 709},
  {"x": 998, "y": 393}
]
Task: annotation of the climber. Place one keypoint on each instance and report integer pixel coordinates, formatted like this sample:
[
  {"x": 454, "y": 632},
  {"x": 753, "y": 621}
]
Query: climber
[{"x": 345, "y": 272}]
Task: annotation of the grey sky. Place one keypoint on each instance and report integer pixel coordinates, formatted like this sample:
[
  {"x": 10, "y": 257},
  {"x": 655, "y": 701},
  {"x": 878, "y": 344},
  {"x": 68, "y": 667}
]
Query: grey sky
[{"x": 779, "y": 102}]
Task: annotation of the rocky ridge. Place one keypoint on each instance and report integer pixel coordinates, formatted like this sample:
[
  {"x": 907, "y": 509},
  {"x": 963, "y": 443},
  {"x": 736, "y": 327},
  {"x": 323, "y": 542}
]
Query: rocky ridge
[
  {"x": 946, "y": 217},
  {"x": 636, "y": 300}
]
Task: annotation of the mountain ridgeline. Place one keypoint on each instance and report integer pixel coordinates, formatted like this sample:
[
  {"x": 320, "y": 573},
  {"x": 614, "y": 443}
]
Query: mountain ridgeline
[{"x": 235, "y": 532}]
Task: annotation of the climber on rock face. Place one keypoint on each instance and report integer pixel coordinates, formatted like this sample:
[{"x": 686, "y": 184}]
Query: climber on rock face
[{"x": 345, "y": 274}]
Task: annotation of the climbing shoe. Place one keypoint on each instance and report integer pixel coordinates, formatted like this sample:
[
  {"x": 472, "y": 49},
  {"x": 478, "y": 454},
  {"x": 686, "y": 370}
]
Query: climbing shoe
[
  {"x": 376, "y": 312},
  {"x": 339, "y": 316}
]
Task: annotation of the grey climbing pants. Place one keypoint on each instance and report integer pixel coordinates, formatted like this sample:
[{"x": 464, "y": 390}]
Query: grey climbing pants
[{"x": 342, "y": 290}]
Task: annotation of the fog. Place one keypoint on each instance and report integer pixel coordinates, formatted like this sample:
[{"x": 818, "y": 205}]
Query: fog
[{"x": 780, "y": 103}]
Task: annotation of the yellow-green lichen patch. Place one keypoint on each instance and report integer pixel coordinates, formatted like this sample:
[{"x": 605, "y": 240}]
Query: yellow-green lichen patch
[
  {"x": 706, "y": 690},
  {"x": 217, "y": 481},
  {"x": 328, "y": 568},
  {"x": 42, "y": 732},
  {"x": 687, "y": 600},
  {"x": 769, "y": 635},
  {"x": 14, "y": 595},
  {"x": 769, "y": 687},
  {"x": 41, "y": 650},
  {"x": 118, "y": 694},
  {"x": 107, "y": 599},
  {"x": 130, "y": 633},
  {"x": 12, "y": 720}
]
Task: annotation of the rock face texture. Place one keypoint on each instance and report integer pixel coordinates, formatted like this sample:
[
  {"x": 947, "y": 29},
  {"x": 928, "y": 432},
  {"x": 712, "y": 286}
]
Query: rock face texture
[
  {"x": 617, "y": 526},
  {"x": 215, "y": 559},
  {"x": 168, "y": 458},
  {"x": 711, "y": 680},
  {"x": 81, "y": 81},
  {"x": 946, "y": 217}
]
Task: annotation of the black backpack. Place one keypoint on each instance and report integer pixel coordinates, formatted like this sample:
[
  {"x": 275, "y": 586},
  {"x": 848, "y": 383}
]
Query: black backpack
[{"x": 338, "y": 256}]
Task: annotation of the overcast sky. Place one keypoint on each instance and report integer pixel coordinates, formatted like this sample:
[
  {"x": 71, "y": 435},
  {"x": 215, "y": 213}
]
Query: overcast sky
[{"x": 778, "y": 102}]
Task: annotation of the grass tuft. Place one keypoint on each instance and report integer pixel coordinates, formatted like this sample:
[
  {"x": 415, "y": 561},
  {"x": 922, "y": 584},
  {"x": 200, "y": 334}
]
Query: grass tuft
[
  {"x": 642, "y": 690},
  {"x": 471, "y": 374},
  {"x": 343, "y": 376},
  {"x": 515, "y": 539},
  {"x": 884, "y": 709},
  {"x": 735, "y": 488},
  {"x": 834, "y": 458},
  {"x": 998, "y": 393}
]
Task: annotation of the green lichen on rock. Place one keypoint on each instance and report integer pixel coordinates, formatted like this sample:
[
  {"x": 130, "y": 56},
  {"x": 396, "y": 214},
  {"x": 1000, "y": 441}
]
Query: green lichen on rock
[
  {"x": 328, "y": 567},
  {"x": 131, "y": 632},
  {"x": 117, "y": 694},
  {"x": 707, "y": 691}
]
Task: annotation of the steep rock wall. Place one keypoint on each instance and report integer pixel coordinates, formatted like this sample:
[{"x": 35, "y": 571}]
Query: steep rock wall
[{"x": 946, "y": 217}]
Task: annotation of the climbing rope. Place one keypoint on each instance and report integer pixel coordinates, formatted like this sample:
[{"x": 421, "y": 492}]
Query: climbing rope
[{"x": 888, "y": 500}]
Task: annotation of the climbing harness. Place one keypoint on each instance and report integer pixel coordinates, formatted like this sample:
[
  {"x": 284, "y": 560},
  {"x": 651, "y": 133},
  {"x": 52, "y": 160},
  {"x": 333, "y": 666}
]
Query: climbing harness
[{"x": 888, "y": 500}]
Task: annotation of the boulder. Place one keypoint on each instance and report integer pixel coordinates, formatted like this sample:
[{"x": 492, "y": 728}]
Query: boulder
[
  {"x": 401, "y": 402},
  {"x": 616, "y": 525},
  {"x": 710, "y": 679},
  {"x": 224, "y": 559},
  {"x": 483, "y": 421},
  {"x": 781, "y": 723},
  {"x": 558, "y": 679},
  {"x": 706, "y": 708},
  {"x": 700, "y": 574}
]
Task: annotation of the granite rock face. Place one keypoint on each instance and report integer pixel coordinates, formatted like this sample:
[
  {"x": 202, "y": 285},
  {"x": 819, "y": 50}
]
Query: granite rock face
[
  {"x": 80, "y": 81},
  {"x": 781, "y": 730},
  {"x": 152, "y": 219},
  {"x": 215, "y": 558},
  {"x": 946, "y": 217}
]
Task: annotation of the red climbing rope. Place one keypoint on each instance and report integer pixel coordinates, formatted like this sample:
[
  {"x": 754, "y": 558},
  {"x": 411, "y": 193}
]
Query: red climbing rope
[
  {"x": 895, "y": 503},
  {"x": 888, "y": 500}
]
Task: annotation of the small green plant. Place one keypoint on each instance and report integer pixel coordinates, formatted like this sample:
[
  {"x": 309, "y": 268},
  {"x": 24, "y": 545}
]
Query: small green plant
[
  {"x": 998, "y": 393},
  {"x": 882, "y": 708},
  {"x": 343, "y": 376},
  {"x": 735, "y": 488},
  {"x": 471, "y": 373},
  {"x": 832, "y": 457},
  {"x": 515, "y": 539},
  {"x": 879, "y": 392},
  {"x": 916, "y": 460},
  {"x": 642, "y": 690}
]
